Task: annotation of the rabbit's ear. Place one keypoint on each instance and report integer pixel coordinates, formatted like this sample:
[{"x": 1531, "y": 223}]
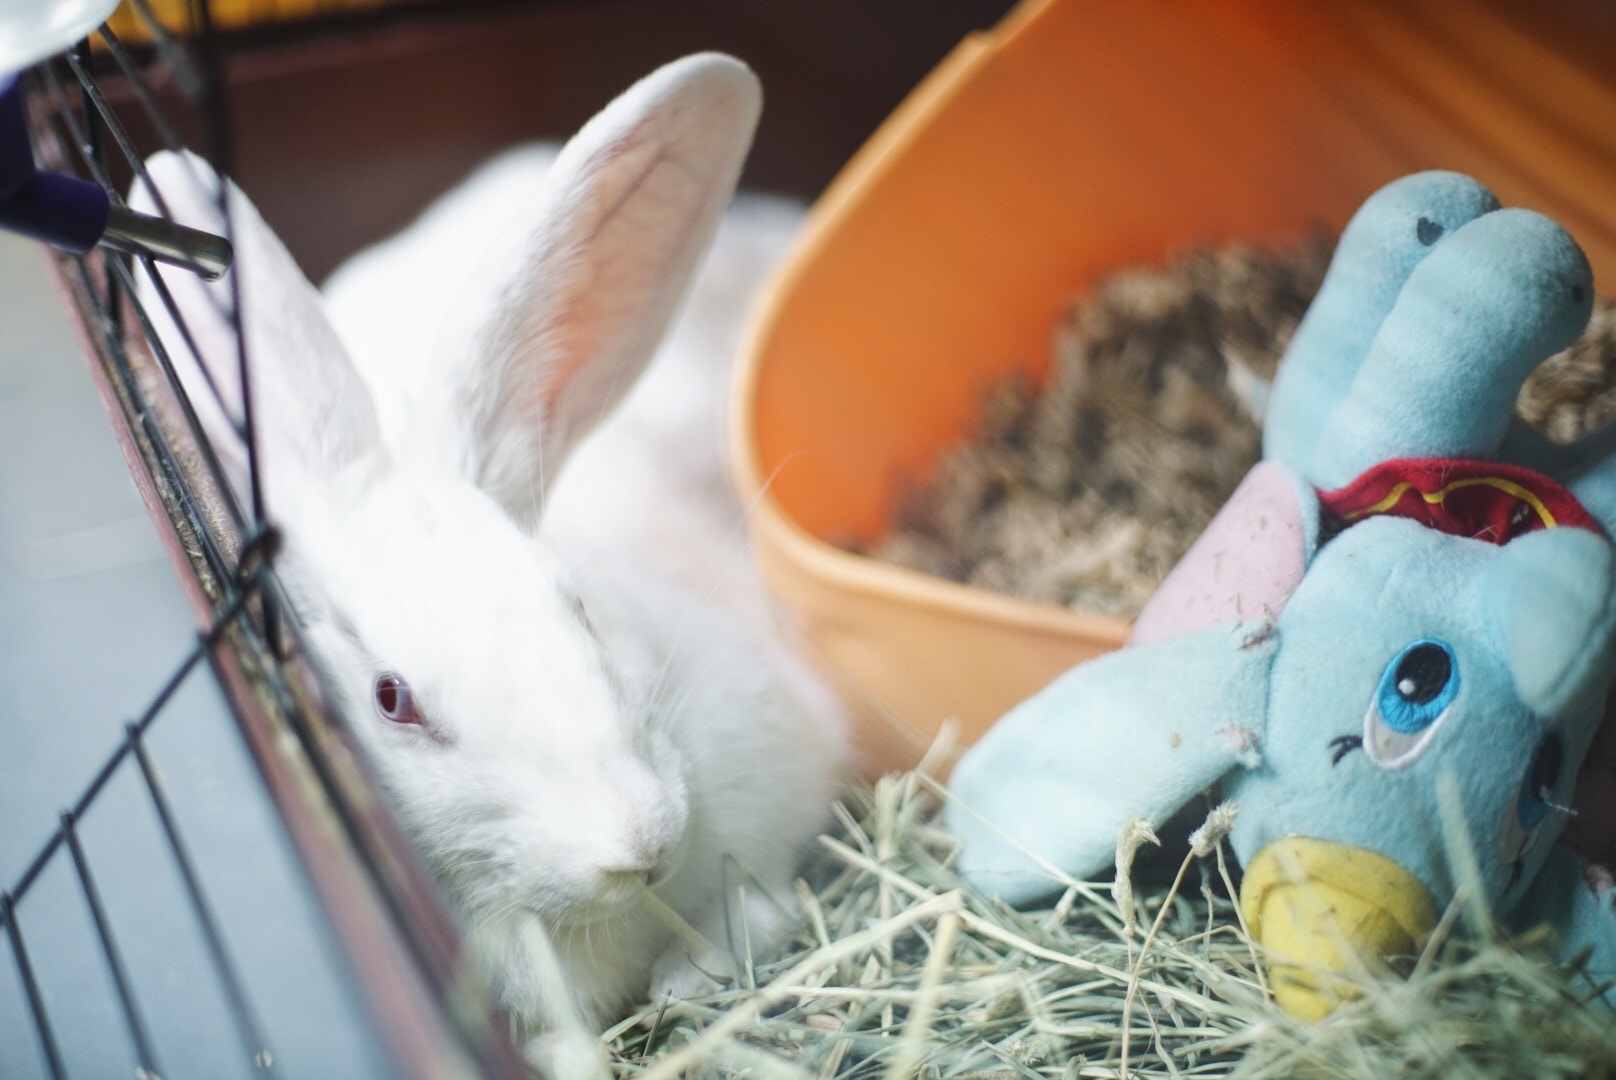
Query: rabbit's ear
[
  {"x": 1396, "y": 228},
  {"x": 1133, "y": 734},
  {"x": 630, "y": 205},
  {"x": 312, "y": 411},
  {"x": 1474, "y": 319}
]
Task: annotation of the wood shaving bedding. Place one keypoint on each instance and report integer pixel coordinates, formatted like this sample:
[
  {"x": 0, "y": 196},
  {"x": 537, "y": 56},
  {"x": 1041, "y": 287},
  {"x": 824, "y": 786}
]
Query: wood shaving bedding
[{"x": 1086, "y": 491}]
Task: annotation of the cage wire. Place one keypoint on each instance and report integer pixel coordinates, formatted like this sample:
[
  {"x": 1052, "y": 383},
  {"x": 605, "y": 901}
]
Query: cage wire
[{"x": 402, "y": 951}]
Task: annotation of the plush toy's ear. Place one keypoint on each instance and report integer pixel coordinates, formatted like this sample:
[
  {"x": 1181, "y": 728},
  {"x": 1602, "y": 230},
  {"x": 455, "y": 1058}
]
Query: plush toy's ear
[
  {"x": 1133, "y": 734},
  {"x": 1473, "y": 320},
  {"x": 1549, "y": 602},
  {"x": 1245, "y": 564},
  {"x": 1394, "y": 229}
]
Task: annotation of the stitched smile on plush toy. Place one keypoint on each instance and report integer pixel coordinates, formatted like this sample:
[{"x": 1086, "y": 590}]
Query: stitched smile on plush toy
[{"x": 1484, "y": 500}]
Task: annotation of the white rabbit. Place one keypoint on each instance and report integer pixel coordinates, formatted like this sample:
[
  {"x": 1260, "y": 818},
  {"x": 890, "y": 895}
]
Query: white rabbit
[
  {"x": 565, "y": 726},
  {"x": 653, "y": 476}
]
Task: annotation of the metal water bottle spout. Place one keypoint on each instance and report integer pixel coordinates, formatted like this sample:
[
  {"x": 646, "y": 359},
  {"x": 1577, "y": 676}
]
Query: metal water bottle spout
[{"x": 76, "y": 215}]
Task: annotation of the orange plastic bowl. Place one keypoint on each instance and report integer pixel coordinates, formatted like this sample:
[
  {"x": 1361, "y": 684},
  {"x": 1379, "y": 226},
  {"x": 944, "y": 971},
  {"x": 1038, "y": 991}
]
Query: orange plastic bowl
[{"x": 1075, "y": 138}]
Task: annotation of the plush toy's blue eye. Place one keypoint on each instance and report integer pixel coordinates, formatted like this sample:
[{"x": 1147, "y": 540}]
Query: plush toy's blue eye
[
  {"x": 1538, "y": 784},
  {"x": 1419, "y": 683}
]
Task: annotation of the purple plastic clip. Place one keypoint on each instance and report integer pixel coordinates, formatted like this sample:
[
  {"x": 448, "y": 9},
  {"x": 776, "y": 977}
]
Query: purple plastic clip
[
  {"x": 60, "y": 210},
  {"x": 76, "y": 215}
]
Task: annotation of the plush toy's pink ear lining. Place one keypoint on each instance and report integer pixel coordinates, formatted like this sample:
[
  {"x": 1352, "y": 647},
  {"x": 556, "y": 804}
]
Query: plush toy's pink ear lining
[{"x": 1244, "y": 566}]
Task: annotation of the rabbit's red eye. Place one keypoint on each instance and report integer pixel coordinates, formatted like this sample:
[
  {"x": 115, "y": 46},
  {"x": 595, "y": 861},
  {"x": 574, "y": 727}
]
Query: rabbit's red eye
[{"x": 393, "y": 699}]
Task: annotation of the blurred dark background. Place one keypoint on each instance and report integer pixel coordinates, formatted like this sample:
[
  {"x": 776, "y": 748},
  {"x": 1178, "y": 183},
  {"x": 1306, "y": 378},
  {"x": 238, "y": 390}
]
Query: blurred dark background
[{"x": 346, "y": 126}]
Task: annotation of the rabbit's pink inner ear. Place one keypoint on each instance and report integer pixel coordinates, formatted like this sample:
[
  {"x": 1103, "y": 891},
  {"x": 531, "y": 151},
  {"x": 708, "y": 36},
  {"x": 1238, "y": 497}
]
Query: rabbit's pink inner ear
[
  {"x": 627, "y": 240},
  {"x": 1245, "y": 565},
  {"x": 632, "y": 204}
]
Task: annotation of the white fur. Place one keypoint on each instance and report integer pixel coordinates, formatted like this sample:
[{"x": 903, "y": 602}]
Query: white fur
[
  {"x": 608, "y": 707},
  {"x": 654, "y": 476}
]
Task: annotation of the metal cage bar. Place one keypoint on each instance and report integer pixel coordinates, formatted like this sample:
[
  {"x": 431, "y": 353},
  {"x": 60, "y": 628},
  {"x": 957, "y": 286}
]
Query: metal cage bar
[
  {"x": 36, "y": 1002},
  {"x": 399, "y": 944},
  {"x": 139, "y": 1032},
  {"x": 248, "y": 1029}
]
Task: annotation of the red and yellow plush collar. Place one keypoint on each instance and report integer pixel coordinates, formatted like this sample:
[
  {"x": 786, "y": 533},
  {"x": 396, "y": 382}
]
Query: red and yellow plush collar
[{"x": 1483, "y": 500}]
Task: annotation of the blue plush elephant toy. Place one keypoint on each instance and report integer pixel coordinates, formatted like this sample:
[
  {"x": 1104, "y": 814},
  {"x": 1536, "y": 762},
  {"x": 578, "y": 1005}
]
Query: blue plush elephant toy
[{"x": 1405, "y": 615}]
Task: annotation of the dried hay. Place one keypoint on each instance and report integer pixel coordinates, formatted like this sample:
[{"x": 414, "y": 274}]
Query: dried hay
[
  {"x": 1086, "y": 490},
  {"x": 1085, "y": 494},
  {"x": 902, "y": 971}
]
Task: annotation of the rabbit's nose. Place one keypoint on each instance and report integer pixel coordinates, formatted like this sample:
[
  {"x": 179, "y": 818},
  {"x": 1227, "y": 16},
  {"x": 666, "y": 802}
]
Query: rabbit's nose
[{"x": 654, "y": 849}]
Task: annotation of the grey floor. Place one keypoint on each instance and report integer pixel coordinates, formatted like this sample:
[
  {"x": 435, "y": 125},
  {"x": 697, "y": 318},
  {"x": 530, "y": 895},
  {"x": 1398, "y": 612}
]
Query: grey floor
[{"x": 92, "y": 623}]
